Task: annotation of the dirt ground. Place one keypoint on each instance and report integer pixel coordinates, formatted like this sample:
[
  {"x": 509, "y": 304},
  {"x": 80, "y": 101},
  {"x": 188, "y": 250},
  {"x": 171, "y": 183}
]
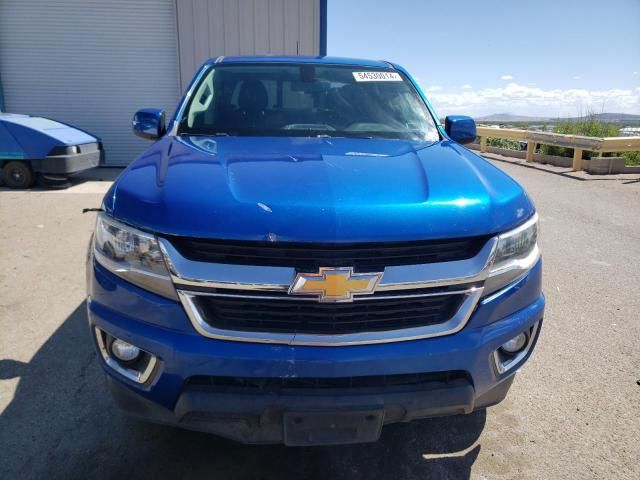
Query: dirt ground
[{"x": 573, "y": 412}]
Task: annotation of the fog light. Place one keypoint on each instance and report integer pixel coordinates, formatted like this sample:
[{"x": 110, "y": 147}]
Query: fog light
[
  {"x": 516, "y": 344},
  {"x": 124, "y": 351},
  {"x": 126, "y": 359},
  {"x": 513, "y": 353}
]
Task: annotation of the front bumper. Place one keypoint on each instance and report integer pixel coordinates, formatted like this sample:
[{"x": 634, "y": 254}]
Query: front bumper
[
  {"x": 161, "y": 327},
  {"x": 263, "y": 418},
  {"x": 88, "y": 156}
]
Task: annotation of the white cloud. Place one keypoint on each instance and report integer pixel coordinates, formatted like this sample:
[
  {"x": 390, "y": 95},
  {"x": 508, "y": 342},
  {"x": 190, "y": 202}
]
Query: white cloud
[
  {"x": 577, "y": 77},
  {"x": 517, "y": 98},
  {"x": 467, "y": 87},
  {"x": 635, "y": 73},
  {"x": 435, "y": 88},
  {"x": 506, "y": 77}
]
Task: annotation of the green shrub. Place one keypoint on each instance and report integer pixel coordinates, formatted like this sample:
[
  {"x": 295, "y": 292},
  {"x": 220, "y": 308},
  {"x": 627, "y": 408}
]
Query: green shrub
[
  {"x": 503, "y": 143},
  {"x": 631, "y": 158},
  {"x": 587, "y": 126}
]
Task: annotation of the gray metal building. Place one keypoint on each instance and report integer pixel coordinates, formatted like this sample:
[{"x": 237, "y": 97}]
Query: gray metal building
[{"x": 92, "y": 63}]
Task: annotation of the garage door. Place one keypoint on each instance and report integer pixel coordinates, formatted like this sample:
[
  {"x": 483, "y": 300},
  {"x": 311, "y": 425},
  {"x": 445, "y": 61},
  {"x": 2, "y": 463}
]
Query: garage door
[
  {"x": 208, "y": 28},
  {"x": 90, "y": 63}
]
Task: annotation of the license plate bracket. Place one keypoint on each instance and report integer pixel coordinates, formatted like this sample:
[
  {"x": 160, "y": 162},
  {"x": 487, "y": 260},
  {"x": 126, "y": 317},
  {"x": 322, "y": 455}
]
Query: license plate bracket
[{"x": 303, "y": 427}]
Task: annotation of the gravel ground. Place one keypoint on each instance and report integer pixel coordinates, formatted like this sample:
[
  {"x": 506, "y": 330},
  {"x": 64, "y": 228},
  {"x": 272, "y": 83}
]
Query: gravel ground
[{"x": 573, "y": 411}]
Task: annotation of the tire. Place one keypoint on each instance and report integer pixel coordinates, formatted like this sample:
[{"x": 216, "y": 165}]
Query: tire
[{"x": 17, "y": 175}]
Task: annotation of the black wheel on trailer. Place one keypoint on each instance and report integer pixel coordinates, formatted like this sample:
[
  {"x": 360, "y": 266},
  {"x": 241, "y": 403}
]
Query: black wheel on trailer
[{"x": 17, "y": 175}]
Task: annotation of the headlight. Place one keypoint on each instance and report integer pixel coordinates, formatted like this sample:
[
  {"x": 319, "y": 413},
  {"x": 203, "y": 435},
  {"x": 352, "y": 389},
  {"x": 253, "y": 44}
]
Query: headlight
[
  {"x": 133, "y": 255},
  {"x": 516, "y": 253}
]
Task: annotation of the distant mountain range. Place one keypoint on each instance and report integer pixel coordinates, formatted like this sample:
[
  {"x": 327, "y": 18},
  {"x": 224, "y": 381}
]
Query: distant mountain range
[{"x": 509, "y": 117}]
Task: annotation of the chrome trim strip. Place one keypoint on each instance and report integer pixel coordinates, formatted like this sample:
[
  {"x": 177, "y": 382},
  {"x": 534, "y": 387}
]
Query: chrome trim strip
[
  {"x": 203, "y": 328},
  {"x": 219, "y": 275},
  {"x": 453, "y": 325},
  {"x": 502, "y": 367},
  {"x": 315, "y": 300},
  {"x": 133, "y": 375},
  {"x": 441, "y": 274},
  {"x": 188, "y": 273}
]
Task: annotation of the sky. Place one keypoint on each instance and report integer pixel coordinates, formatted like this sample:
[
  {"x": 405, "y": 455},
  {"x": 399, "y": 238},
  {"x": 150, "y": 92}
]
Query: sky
[{"x": 479, "y": 57}]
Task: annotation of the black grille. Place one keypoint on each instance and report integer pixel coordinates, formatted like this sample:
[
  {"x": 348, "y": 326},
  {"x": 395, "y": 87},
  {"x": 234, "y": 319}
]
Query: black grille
[
  {"x": 308, "y": 257},
  {"x": 279, "y": 384},
  {"x": 300, "y": 316}
]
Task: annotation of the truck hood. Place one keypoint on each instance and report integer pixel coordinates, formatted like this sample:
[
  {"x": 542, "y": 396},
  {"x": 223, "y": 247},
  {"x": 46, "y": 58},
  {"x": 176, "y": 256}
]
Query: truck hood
[{"x": 327, "y": 190}]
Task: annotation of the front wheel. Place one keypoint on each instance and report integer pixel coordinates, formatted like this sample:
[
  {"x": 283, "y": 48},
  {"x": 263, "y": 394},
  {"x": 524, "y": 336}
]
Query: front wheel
[{"x": 17, "y": 175}]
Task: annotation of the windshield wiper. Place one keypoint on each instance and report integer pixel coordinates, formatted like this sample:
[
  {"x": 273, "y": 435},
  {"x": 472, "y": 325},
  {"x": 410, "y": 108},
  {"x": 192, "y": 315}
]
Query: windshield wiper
[
  {"x": 343, "y": 135},
  {"x": 365, "y": 137},
  {"x": 206, "y": 134}
]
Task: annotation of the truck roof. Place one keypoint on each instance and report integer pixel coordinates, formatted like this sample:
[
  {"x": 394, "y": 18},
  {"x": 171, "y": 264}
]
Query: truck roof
[{"x": 303, "y": 59}]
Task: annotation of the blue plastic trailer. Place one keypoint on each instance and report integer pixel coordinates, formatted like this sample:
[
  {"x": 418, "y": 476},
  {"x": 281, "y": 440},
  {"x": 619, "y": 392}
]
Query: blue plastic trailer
[{"x": 32, "y": 147}]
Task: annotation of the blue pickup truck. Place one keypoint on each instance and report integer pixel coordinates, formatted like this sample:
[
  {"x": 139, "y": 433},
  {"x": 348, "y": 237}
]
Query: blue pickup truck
[{"x": 305, "y": 254}]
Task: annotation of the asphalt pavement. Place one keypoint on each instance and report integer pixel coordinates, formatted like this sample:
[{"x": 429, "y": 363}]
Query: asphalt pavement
[{"x": 573, "y": 411}]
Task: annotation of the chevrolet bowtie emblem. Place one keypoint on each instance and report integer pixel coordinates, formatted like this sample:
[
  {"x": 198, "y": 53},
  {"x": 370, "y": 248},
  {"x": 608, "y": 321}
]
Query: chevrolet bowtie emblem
[{"x": 335, "y": 284}]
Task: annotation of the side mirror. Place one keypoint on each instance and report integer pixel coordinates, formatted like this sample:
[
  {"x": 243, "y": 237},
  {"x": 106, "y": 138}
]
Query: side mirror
[
  {"x": 149, "y": 123},
  {"x": 460, "y": 128}
]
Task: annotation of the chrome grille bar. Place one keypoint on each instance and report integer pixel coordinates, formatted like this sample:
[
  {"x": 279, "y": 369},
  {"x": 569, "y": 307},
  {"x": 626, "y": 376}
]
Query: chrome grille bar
[
  {"x": 453, "y": 325},
  {"x": 188, "y": 273},
  {"x": 193, "y": 279}
]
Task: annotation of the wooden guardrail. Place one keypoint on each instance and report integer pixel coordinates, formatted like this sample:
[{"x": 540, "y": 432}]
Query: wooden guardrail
[{"x": 578, "y": 143}]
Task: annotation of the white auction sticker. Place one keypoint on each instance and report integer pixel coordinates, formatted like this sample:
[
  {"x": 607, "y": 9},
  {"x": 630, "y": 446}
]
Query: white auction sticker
[{"x": 377, "y": 77}]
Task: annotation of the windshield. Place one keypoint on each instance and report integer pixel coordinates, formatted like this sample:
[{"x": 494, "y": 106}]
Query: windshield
[{"x": 307, "y": 100}]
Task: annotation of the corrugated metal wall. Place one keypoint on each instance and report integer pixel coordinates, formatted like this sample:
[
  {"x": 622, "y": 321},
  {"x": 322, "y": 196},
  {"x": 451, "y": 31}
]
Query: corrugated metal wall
[
  {"x": 209, "y": 28},
  {"x": 90, "y": 63}
]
